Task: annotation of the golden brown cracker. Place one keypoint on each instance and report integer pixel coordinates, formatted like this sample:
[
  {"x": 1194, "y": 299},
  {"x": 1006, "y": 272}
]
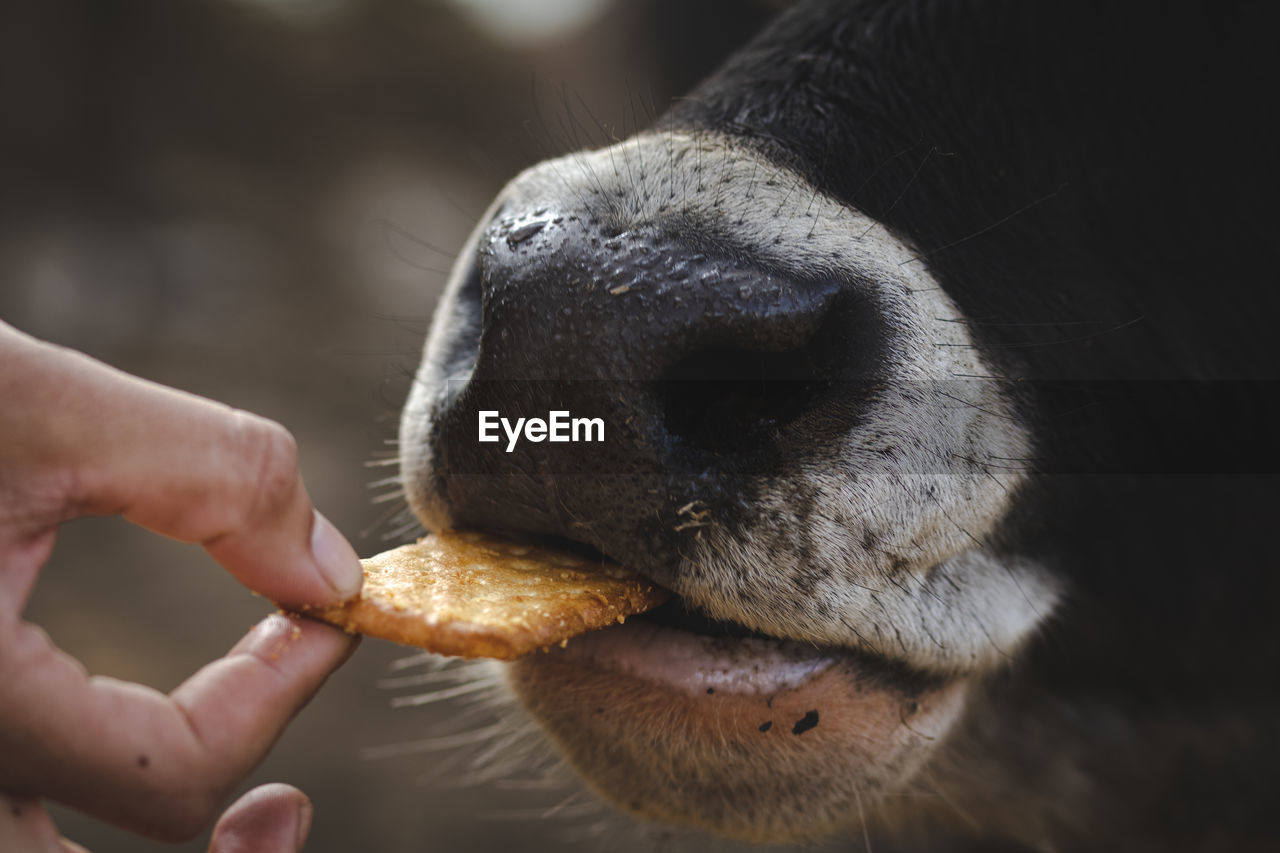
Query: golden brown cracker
[{"x": 471, "y": 595}]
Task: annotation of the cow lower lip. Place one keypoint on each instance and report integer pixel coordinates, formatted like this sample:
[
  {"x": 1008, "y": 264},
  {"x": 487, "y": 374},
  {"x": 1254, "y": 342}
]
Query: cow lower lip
[{"x": 694, "y": 663}]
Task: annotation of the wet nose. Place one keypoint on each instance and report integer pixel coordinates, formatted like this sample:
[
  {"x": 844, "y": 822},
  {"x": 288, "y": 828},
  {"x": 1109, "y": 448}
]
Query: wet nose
[{"x": 704, "y": 366}]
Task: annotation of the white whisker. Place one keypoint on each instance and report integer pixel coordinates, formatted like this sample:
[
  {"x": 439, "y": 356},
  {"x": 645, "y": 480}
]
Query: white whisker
[
  {"x": 434, "y": 744},
  {"x": 440, "y": 695},
  {"x": 417, "y": 660},
  {"x": 435, "y": 676}
]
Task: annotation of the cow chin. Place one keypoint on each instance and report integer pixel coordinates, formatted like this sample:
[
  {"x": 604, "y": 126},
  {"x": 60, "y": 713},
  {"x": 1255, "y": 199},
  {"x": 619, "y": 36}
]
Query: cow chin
[{"x": 744, "y": 738}]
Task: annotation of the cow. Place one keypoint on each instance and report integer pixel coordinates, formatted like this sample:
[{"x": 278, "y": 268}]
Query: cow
[{"x": 929, "y": 341}]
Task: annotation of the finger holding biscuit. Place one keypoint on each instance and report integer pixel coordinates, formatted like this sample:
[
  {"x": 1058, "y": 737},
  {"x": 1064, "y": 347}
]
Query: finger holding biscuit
[{"x": 80, "y": 438}]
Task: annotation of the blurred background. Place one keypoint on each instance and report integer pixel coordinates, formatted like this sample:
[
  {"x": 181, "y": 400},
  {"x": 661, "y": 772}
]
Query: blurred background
[{"x": 257, "y": 201}]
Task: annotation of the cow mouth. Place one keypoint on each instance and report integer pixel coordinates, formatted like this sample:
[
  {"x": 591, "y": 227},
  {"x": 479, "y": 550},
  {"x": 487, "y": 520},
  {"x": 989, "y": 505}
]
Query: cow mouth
[
  {"x": 680, "y": 645},
  {"x": 685, "y": 718}
]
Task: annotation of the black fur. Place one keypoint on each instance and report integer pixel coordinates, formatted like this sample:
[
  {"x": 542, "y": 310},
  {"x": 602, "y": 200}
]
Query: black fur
[{"x": 1095, "y": 185}]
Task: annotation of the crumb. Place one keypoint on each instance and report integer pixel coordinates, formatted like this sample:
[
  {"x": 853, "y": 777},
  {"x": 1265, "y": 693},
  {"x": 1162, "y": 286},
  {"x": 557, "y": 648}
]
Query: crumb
[{"x": 766, "y": 725}]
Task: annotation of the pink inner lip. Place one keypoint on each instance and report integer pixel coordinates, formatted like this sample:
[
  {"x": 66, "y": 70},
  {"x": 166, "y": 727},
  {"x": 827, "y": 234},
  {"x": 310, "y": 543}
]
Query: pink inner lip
[{"x": 694, "y": 663}]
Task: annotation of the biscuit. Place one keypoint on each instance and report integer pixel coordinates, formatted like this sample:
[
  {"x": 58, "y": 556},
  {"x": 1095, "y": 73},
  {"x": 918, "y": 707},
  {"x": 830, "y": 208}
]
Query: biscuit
[{"x": 471, "y": 595}]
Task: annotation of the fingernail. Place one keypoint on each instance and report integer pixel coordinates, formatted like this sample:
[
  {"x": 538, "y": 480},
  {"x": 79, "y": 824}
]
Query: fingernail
[
  {"x": 305, "y": 812},
  {"x": 335, "y": 558}
]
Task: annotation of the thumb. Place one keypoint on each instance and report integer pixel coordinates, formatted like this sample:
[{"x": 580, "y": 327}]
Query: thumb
[{"x": 269, "y": 819}]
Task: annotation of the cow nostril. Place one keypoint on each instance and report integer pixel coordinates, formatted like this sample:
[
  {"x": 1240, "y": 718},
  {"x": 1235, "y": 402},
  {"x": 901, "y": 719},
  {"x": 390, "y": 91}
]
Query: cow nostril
[{"x": 731, "y": 399}]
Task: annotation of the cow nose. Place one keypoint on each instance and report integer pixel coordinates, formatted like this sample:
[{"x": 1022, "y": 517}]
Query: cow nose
[{"x": 703, "y": 365}]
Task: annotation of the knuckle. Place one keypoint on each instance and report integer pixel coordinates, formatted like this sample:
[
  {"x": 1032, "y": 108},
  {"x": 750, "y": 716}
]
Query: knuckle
[{"x": 270, "y": 455}]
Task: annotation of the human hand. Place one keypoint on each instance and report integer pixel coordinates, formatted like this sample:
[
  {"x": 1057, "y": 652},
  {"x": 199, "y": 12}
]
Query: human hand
[{"x": 80, "y": 438}]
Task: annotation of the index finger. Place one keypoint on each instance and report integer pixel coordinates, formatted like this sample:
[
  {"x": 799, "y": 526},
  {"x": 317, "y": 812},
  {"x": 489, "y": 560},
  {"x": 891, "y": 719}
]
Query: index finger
[{"x": 178, "y": 464}]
